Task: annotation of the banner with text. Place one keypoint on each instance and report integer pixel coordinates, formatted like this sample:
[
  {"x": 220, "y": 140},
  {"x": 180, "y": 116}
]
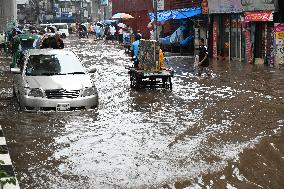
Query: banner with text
[
  {"x": 259, "y": 5},
  {"x": 215, "y": 38},
  {"x": 225, "y": 6},
  {"x": 264, "y": 16},
  {"x": 279, "y": 37}
]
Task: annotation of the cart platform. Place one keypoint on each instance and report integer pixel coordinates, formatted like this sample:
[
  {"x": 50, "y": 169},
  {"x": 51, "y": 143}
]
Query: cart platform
[{"x": 154, "y": 79}]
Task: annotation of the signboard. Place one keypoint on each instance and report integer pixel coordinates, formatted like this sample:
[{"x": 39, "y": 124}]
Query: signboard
[
  {"x": 259, "y": 5},
  {"x": 104, "y": 2},
  {"x": 204, "y": 5},
  {"x": 66, "y": 14},
  {"x": 215, "y": 38},
  {"x": 160, "y": 4},
  {"x": 264, "y": 16},
  {"x": 196, "y": 38},
  {"x": 225, "y": 6},
  {"x": 85, "y": 13},
  {"x": 248, "y": 47},
  {"x": 279, "y": 37}
]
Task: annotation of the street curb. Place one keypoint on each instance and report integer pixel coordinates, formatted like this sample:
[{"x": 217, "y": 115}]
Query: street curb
[{"x": 7, "y": 166}]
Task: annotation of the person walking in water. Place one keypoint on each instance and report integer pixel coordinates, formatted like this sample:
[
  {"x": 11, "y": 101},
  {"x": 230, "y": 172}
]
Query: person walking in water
[
  {"x": 57, "y": 42},
  {"x": 203, "y": 59}
]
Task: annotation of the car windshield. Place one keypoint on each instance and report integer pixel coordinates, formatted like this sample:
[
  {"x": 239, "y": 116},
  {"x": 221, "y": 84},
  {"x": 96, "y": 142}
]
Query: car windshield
[
  {"x": 27, "y": 44},
  {"x": 61, "y": 26},
  {"x": 59, "y": 64}
]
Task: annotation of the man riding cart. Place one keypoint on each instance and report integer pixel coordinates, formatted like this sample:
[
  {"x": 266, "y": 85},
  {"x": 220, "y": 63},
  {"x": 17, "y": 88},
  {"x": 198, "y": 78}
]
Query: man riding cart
[{"x": 149, "y": 69}]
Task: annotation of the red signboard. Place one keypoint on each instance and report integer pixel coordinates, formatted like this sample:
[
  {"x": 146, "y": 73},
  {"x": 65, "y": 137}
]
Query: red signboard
[
  {"x": 215, "y": 38},
  {"x": 248, "y": 47},
  {"x": 265, "y": 16}
]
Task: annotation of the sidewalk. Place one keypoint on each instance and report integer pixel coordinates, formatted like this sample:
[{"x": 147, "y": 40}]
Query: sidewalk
[{"x": 7, "y": 167}]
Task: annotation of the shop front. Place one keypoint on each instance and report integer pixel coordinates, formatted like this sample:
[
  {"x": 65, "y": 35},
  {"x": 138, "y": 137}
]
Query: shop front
[
  {"x": 227, "y": 36},
  {"x": 259, "y": 26},
  {"x": 226, "y": 31},
  {"x": 259, "y": 30}
]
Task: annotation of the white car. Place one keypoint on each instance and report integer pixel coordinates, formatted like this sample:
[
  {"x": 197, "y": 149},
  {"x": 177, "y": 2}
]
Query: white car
[{"x": 49, "y": 79}]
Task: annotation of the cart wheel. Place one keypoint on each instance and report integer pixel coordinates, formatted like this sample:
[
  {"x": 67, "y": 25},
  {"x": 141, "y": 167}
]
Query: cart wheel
[
  {"x": 137, "y": 82},
  {"x": 132, "y": 81},
  {"x": 164, "y": 83}
]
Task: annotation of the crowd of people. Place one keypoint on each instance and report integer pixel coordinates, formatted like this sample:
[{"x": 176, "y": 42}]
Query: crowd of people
[{"x": 119, "y": 32}]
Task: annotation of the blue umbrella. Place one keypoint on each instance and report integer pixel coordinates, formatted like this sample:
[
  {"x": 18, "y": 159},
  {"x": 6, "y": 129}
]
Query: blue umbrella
[
  {"x": 109, "y": 22},
  {"x": 19, "y": 31}
]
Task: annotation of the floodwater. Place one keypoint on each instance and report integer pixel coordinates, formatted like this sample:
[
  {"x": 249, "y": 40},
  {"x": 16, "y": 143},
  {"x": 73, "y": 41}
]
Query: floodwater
[{"x": 225, "y": 131}]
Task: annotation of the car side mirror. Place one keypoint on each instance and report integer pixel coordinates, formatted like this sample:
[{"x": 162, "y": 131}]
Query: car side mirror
[
  {"x": 15, "y": 70},
  {"x": 92, "y": 70}
]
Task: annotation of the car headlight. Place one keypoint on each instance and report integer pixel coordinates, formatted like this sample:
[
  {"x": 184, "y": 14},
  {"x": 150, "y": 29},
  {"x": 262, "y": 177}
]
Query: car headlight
[
  {"x": 36, "y": 92},
  {"x": 89, "y": 91}
]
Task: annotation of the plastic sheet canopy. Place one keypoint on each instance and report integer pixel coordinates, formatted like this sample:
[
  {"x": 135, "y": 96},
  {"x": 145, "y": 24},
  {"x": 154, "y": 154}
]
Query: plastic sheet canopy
[{"x": 176, "y": 14}]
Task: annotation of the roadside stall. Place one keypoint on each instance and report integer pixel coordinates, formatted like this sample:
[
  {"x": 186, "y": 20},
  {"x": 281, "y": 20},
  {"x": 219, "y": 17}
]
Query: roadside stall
[
  {"x": 151, "y": 71},
  {"x": 183, "y": 36}
]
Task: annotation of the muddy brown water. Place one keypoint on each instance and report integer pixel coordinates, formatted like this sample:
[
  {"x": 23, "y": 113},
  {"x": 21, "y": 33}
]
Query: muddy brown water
[{"x": 225, "y": 131}]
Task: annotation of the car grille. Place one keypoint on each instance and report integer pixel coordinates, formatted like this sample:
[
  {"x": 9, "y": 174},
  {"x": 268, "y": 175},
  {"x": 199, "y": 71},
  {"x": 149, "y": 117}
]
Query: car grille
[{"x": 62, "y": 93}]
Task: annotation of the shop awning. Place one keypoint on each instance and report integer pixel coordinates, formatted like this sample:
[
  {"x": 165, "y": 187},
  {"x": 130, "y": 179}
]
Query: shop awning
[
  {"x": 264, "y": 16},
  {"x": 176, "y": 14}
]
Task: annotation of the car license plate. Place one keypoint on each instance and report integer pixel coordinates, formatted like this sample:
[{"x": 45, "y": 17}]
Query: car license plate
[{"x": 62, "y": 107}]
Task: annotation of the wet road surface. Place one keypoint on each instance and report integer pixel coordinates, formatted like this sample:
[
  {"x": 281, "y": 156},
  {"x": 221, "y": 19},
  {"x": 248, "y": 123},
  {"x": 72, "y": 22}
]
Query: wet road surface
[{"x": 225, "y": 131}]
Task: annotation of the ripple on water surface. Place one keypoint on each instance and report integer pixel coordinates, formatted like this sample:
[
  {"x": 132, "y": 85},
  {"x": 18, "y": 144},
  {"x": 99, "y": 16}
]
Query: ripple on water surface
[{"x": 145, "y": 138}]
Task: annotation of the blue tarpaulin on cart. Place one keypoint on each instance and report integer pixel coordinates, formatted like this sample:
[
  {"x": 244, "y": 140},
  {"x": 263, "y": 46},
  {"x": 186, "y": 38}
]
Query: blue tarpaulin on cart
[{"x": 176, "y": 14}]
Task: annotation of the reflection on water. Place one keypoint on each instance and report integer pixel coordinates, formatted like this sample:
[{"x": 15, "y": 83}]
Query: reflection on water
[{"x": 201, "y": 134}]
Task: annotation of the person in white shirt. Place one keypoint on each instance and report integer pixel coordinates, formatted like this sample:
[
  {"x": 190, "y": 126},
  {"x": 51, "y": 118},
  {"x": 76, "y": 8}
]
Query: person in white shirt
[{"x": 112, "y": 31}]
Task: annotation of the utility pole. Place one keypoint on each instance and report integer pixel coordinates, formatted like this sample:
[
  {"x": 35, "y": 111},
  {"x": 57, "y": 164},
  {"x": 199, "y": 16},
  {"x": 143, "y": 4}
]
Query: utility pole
[
  {"x": 156, "y": 19},
  {"x": 105, "y": 12},
  {"x": 81, "y": 12}
]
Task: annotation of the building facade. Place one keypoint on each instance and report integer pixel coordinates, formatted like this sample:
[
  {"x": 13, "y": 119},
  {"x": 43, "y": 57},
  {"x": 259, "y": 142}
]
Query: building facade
[
  {"x": 242, "y": 30},
  {"x": 8, "y": 12},
  {"x": 140, "y": 9}
]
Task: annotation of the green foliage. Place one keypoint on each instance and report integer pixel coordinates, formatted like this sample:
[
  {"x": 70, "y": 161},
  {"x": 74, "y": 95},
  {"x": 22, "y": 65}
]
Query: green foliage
[
  {"x": 3, "y": 150},
  {"x": 3, "y": 174}
]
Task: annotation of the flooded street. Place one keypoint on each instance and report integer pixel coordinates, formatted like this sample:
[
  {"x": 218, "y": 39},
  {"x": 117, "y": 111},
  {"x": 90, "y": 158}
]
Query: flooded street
[{"x": 225, "y": 131}]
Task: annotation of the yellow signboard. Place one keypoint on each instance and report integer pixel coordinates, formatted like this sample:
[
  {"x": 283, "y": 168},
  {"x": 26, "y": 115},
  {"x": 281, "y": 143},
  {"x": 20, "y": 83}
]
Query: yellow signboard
[{"x": 280, "y": 35}]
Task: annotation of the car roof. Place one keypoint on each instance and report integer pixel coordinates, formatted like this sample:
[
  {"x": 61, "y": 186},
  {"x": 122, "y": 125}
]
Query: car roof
[
  {"x": 49, "y": 52},
  {"x": 26, "y": 36}
]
